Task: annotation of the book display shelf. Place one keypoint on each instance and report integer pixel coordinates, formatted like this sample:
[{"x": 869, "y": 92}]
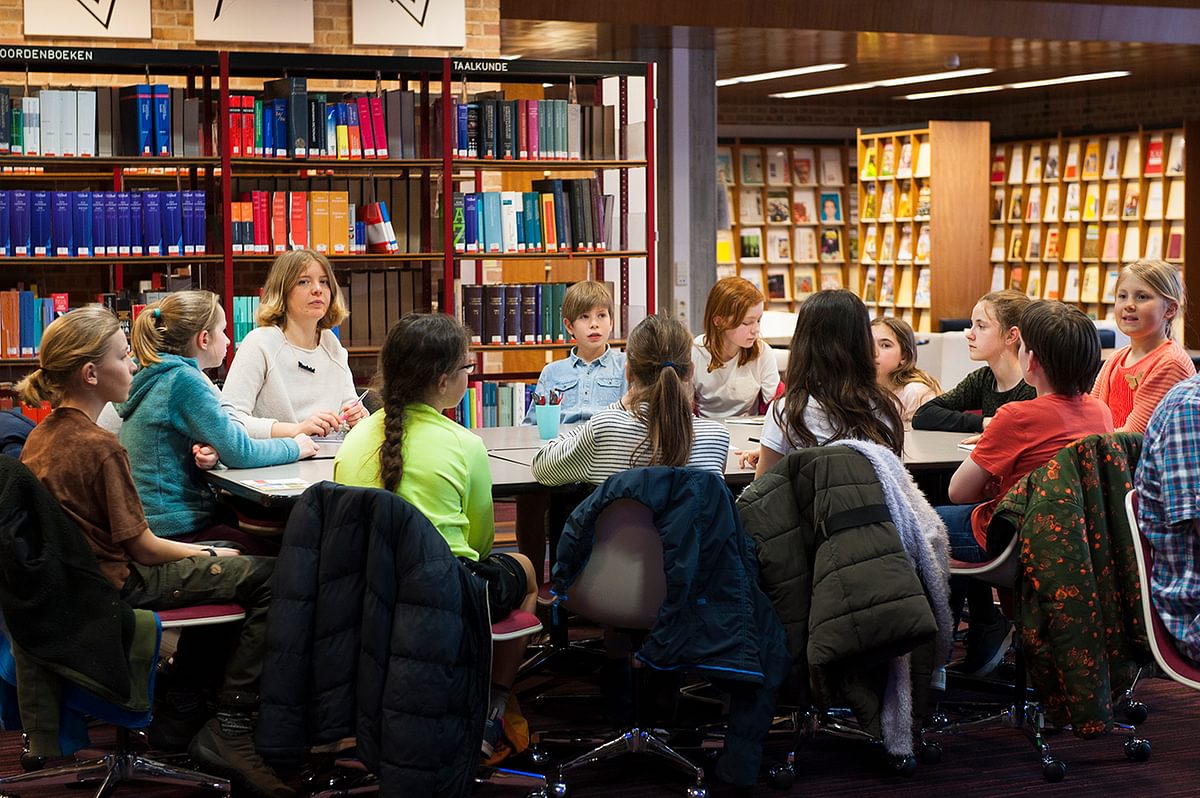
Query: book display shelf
[
  {"x": 1067, "y": 212},
  {"x": 551, "y": 181},
  {"x": 922, "y": 229},
  {"x": 785, "y": 220},
  {"x": 272, "y": 151}
]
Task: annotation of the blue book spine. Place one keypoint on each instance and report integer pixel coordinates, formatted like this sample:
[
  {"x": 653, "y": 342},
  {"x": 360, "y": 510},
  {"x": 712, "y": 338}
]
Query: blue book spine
[
  {"x": 461, "y": 129},
  {"x": 124, "y": 225},
  {"x": 280, "y": 120},
  {"x": 112, "y": 224},
  {"x": 40, "y": 224},
  {"x": 39, "y": 323},
  {"x": 19, "y": 227},
  {"x": 140, "y": 115},
  {"x": 185, "y": 212},
  {"x": 200, "y": 217},
  {"x": 152, "y": 222},
  {"x": 5, "y": 248},
  {"x": 331, "y": 123},
  {"x": 471, "y": 222},
  {"x": 25, "y": 306},
  {"x": 532, "y": 220},
  {"x": 62, "y": 224},
  {"x": 491, "y": 222},
  {"x": 136, "y": 240},
  {"x": 172, "y": 223},
  {"x": 161, "y": 94},
  {"x": 81, "y": 227},
  {"x": 99, "y": 226}
]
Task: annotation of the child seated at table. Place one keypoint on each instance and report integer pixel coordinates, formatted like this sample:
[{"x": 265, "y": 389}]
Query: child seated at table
[
  {"x": 84, "y": 364},
  {"x": 831, "y": 390},
  {"x": 652, "y": 425},
  {"x": 993, "y": 337},
  {"x": 592, "y": 376},
  {"x": 1149, "y": 296},
  {"x": 735, "y": 370},
  {"x": 442, "y": 469},
  {"x": 172, "y": 410},
  {"x": 1059, "y": 352},
  {"x": 896, "y": 366}
]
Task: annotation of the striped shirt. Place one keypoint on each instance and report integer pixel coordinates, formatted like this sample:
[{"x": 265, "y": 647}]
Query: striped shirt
[
  {"x": 1168, "y": 487},
  {"x": 607, "y": 445}
]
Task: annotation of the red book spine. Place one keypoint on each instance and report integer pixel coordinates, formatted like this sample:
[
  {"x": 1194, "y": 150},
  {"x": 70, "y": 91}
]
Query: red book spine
[
  {"x": 366, "y": 129},
  {"x": 378, "y": 128}
]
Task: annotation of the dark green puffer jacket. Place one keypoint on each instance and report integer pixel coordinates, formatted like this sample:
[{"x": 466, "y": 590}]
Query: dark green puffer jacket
[{"x": 833, "y": 565}]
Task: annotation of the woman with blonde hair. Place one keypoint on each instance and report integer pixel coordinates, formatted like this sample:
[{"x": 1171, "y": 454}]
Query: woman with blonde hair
[
  {"x": 734, "y": 368},
  {"x": 291, "y": 374}
]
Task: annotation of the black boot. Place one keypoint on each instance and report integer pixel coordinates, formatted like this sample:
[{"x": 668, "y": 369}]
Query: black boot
[{"x": 225, "y": 747}]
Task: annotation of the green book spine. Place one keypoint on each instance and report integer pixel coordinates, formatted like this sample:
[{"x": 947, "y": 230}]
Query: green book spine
[
  {"x": 560, "y": 331},
  {"x": 258, "y": 128},
  {"x": 18, "y": 132}
]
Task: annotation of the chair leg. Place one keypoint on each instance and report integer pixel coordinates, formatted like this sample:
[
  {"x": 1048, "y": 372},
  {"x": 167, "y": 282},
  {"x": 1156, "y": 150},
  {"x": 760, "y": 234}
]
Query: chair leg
[
  {"x": 74, "y": 773},
  {"x": 145, "y": 769},
  {"x": 653, "y": 745}
]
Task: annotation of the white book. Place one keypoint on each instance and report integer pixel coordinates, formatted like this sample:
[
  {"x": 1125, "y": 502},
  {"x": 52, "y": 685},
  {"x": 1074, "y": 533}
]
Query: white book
[
  {"x": 574, "y": 132},
  {"x": 997, "y": 278},
  {"x": 31, "y": 125},
  {"x": 1175, "y": 200},
  {"x": 1016, "y": 166},
  {"x": 1153, "y": 208},
  {"x": 1071, "y": 168},
  {"x": 831, "y": 167},
  {"x": 997, "y": 246},
  {"x": 69, "y": 121},
  {"x": 1175, "y": 156},
  {"x": 509, "y": 201},
  {"x": 1033, "y": 173},
  {"x": 85, "y": 122},
  {"x": 1132, "y": 250},
  {"x": 1071, "y": 288},
  {"x": 1050, "y": 290},
  {"x": 51, "y": 114},
  {"x": 1112, "y": 151},
  {"x": 1051, "y": 170},
  {"x": 1132, "y": 168},
  {"x": 924, "y": 157},
  {"x": 1154, "y": 241},
  {"x": 1051, "y": 212}
]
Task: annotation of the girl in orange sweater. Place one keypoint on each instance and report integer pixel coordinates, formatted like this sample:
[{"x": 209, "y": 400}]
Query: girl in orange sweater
[{"x": 1132, "y": 381}]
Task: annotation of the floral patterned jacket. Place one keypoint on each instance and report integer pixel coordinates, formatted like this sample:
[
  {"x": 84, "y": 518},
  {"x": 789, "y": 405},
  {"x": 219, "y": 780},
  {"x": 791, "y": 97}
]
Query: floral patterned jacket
[{"x": 1079, "y": 599}]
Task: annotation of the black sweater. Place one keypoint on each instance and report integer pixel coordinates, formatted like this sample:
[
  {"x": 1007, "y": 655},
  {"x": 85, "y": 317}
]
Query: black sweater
[{"x": 977, "y": 392}]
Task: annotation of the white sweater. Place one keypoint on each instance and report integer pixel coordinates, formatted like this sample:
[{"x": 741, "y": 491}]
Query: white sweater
[
  {"x": 733, "y": 390},
  {"x": 273, "y": 380}
]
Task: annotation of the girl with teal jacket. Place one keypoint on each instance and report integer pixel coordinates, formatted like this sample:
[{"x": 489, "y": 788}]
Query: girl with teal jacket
[{"x": 174, "y": 423}]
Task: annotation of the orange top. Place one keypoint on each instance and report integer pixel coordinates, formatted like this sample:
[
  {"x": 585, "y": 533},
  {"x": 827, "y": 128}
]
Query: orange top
[{"x": 1132, "y": 392}]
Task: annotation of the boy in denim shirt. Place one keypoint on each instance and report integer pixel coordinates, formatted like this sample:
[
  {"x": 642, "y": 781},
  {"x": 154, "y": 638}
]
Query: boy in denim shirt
[{"x": 592, "y": 376}]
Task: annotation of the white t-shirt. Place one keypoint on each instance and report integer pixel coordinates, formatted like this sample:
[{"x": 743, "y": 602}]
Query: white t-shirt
[
  {"x": 815, "y": 419},
  {"x": 733, "y": 390}
]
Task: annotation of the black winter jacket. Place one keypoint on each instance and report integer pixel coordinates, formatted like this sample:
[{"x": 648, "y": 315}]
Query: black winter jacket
[
  {"x": 715, "y": 618},
  {"x": 376, "y": 631}
]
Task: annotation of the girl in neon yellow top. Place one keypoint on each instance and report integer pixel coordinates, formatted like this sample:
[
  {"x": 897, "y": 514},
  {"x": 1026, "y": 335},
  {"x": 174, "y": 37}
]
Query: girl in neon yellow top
[{"x": 424, "y": 364}]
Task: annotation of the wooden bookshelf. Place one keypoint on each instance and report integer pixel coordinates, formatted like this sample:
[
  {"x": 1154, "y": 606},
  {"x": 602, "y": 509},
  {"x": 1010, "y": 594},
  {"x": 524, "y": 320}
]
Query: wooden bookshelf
[
  {"x": 786, "y": 219},
  {"x": 1067, "y": 212},
  {"x": 922, "y": 227}
]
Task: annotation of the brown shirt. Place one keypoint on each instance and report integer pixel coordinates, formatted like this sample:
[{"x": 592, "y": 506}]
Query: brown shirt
[{"x": 87, "y": 471}]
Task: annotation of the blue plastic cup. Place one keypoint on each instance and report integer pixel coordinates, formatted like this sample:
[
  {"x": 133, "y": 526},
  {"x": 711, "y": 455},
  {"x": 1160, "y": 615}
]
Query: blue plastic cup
[{"x": 547, "y": 420}]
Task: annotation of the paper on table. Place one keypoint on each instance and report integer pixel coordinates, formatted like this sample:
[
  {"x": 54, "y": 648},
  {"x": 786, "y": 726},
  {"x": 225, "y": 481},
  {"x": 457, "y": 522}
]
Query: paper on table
[
  {"x": 273, "y": 485},
  {"x": 967, "y": 446}
]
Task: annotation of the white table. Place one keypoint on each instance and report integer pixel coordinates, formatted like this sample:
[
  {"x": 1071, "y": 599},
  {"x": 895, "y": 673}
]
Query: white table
[{"x": 511, "y": 450}]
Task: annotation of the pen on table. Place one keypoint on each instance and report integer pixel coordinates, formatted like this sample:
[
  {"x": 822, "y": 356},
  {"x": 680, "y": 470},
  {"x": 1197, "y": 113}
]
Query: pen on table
[
  {"x": 357, "y": 401},
  {"x": 753, "y": 440}
]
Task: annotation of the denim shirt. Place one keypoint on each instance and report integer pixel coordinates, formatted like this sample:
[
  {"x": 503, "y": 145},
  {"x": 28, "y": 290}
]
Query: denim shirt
[{"x": 586, "y": 388}]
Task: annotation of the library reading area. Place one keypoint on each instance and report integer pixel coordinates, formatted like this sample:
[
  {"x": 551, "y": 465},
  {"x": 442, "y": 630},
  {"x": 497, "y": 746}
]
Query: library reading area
[{"x": 547, "y": 399}]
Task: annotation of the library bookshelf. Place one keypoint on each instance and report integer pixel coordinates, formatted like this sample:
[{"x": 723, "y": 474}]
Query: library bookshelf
[
  {"x": 1068, "y": 211},
  {"x": 922, "y": 227},
  {"x": 785, "y": 220}
]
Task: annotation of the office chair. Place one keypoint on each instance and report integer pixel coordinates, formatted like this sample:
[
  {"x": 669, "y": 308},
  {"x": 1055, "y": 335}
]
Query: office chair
[
  {"x": 1162, "y": 644},
  {"x": 622, "y": 586},
  {"x": 123, "y": 764}
]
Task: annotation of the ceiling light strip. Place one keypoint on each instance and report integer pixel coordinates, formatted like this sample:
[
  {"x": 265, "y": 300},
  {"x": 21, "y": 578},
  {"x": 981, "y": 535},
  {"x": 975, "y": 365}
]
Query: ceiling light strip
[
  {"x": 875, "y": 84},
  {"x": 1025, "y": 84},
  {"x": 780, "y": 73}
]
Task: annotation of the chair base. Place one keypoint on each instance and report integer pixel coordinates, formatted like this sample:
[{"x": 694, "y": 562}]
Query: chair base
[
  {"x": 633, "y": 741},
  {"x": 837, "y": 723},
  {"x": 351, "y": 778},
  {"x": 113, "y": 769}
]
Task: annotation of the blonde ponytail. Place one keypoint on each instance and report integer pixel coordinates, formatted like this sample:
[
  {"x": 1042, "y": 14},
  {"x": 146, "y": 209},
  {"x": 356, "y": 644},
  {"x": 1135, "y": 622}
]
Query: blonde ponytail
[
  {"x": 68, "y": 344},
  {"x": 170, "y": 325}
]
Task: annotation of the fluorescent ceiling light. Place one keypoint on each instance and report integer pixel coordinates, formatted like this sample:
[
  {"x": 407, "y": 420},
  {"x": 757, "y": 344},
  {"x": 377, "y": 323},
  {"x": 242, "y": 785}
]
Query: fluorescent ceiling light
[
  {"x": 780, "y": 73},
  {"x": 874, "y": 84},
  {"x": 1025, "y": 84}
]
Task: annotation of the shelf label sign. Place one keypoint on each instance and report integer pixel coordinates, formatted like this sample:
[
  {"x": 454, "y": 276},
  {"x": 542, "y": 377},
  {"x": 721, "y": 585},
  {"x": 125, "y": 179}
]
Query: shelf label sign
[
  {"x": 46, "y": 54},
  {"x": 480, "y": 66}
]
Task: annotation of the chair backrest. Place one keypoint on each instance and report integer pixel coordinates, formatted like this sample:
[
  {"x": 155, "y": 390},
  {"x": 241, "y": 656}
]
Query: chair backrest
[
  {"x": 1001, "y": 570},
  {"x": 623, "y": 583},
  {"x": 1162, "y": 645}
]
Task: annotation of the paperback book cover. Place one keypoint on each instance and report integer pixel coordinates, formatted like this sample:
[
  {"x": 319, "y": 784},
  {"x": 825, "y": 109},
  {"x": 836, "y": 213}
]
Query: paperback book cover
[
  {"x": 778, "y": 173},
  {"x": 803, "y": 206},
  {"x": 804, "y": 172}
]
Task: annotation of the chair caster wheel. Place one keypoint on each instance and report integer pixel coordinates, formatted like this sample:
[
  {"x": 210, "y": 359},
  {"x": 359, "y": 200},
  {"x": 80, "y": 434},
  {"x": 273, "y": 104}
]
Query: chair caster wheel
[
  {"x": 559, "y": 790},
  {"x": 1054, "y": 771},
  {"x": 1136, "y": 712},
  {"x": 30, "y": 763},
  {"x": 931, "y": 753},
  {"x": 782, "y": 776},
  {"x": 538, "y": 756},
  {"x": 697, "y": 791},
  {"x": 1137, "y": 749},
  {"x": 903, "y": 765}
]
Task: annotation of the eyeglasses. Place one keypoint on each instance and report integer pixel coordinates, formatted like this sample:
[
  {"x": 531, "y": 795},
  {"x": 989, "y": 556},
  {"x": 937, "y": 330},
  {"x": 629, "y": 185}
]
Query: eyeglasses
[{"x": 467, "y": 367}]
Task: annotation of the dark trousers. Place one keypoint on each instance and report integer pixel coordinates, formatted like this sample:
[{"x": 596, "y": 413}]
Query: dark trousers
[{"x": 212, "y": 580}]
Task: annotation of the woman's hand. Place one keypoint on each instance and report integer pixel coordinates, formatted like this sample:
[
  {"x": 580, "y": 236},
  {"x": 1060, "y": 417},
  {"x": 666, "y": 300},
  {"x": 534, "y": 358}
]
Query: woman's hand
[
  {"x": 353, "y": 412},
  {"x": 320, "y": 423},
  {"x": 206, "y": 456}
]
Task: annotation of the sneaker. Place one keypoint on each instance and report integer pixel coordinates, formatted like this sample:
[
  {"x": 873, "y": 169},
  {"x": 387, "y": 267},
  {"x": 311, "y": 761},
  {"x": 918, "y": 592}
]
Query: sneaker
[
  {"x": 986, "y": 647},
  {"x": 492, "y": 733},
  {"x": 235, "y": 758}
]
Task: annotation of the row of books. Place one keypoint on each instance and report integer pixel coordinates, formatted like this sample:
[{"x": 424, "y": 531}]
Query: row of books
[
  {"x": 1131, "y": 167},
  {"x": 1090, "y": 245},
  {"x": 287, "y": 121},
  {"x": 514, "y": 314},
  {"x": 783, "y": 166},
  {"x": 101, "y": 223},
  {"x": 557, "y": 216},
  {"x": 1029, "y": 208},
  {"x": 23, "y": 317},
  {"x": 883, "y": 159},
  {"x": 271, "y": 222},
  {"x": 494, "y": 404},
  {"x": 376, "y": 299},
  {"x": 494, "y": 128},
  {"x": 140, "y": 120}
]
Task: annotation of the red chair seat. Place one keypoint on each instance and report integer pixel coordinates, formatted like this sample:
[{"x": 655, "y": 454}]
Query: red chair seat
[
  {"x": 518, "y": 624},
  {"x": 200, "y": 615}
]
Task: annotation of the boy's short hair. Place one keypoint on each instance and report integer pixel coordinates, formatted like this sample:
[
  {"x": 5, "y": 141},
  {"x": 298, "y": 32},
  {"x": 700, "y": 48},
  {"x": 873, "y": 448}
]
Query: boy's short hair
[
  {"x": 585, "y": 295},
  {"x": 1066, "y": 344}
]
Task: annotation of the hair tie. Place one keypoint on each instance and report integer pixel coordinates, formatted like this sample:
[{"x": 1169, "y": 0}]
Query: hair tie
[
  {"x": 666, "y": 364},
  {"x": 157, "y": 313}
]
